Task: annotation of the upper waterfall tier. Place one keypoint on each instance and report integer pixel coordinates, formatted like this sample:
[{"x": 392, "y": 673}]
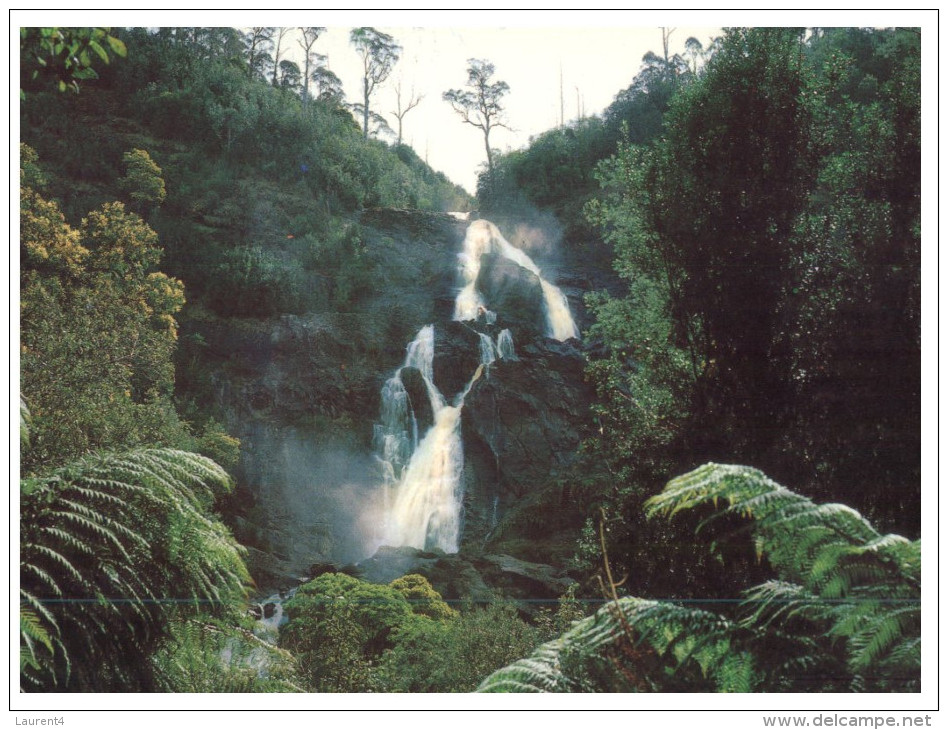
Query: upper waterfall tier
[{"x": 482, "y": 238}]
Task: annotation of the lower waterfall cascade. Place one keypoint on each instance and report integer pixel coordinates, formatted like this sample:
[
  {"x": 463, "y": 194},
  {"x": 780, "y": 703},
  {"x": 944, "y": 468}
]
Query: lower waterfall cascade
[{"x": 422, "y": 486}]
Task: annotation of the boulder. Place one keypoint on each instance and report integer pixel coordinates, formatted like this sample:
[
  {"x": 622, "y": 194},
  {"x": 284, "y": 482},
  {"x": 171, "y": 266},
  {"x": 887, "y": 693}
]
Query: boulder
[
  {"x": 514, "y": 292},
  {"x": 457, "y": 356},
  {"x": 318, "y": 569},
  {"x": 523, "y": 580},
  {"x": 390, "y": 563}
]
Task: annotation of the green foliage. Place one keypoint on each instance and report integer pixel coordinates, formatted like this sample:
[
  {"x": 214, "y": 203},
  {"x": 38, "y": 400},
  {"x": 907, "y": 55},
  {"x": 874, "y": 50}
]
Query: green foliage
[
  {"x": 219, "y": 446},
  {"x": 31, "y": 175},
  {"x": 724, "y": 189},
  {"x": 328, "y": 268},
  {"x": 47, "y": 244},
  {"x": 97, "y": 332},
  {"x": 557, "y": 170},
  {"x": 143, "y": 180},
  {"x": 105, "y": 543},
  {"x": 769, "y": 244},
  {"x": 205, "y": 654},
  {"x": 854, "y": 315},
  {"x": 568, "y": 611},
  {"x": 633, "y": 645},
  {"x": 377, "y": 609},
  {"x": 834, "y": 569},
  {"x": 842, "y": 615},
  {"x": 192, "y": 86},
  {"x": 353, "y": 636},
  {"x": 424, "y": 599},
  {"x": 338, "y": 625},
  {"x": 331, "y": 650},
  {"x": 65, "y": 56},
  {"x": 455, "y": 655}
]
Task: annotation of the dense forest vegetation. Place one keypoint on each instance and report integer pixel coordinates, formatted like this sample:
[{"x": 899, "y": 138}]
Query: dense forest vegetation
[
  {"x": 769, "y": 234},
  {"x": 759, "y": 200}
]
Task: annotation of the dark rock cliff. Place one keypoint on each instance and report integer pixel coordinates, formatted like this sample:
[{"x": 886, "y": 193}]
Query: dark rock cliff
[
  {"x": 523, "y": 422},
  {"x": 302, "y": 394}
]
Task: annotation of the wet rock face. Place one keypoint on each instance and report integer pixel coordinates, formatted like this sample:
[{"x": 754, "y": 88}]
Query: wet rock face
[
  {"x": 514, "y": 293},
  {"x": 521, "y": 579},
  {"x": 302, "y": 393},
  {"x": 418, "y": 397},
  {"x": 457, "y": 356},
  {"x": 523, "y": 422}
]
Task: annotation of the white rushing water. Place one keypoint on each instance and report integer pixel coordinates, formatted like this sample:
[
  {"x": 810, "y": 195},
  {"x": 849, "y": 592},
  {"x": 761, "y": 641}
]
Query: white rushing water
[
  {"x": 505, "y": 346},
  {"x": 422, "y": 473}
]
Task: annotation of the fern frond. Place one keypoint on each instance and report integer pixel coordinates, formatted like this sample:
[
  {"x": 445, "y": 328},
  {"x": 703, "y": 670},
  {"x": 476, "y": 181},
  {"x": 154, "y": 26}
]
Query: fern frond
[
  {"x": 599, "y": 654},
  {"x": 881, "y": 634},
  {"x": 98, "y": 531},
  {"x": 540, "y": 672},
  {"x": 835, "y": 570}
]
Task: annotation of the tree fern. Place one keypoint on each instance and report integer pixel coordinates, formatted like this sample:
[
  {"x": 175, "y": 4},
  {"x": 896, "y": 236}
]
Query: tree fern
[
  {"x": 108, "y": 545},
  {"x": 842, "y": 614},
  {"x": 860, "y": 587}
]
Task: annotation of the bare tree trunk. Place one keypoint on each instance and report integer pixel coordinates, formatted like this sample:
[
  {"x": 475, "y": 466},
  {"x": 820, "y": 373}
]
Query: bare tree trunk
[
  {"x": 666, "y": 36},
  {"x": 276, "y": 54},
  {"x": 306, "y": 81},
  {"x": 365, "y": 108}
]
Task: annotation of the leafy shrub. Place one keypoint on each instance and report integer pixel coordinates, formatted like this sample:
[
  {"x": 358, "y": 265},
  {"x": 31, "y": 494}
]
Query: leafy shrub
[
  {"x": 219, "y": 446},
  {"x": 142, "y": 181},
  {"x": 338, "y": 625},
  {"x": 255, "y": 281},
  {"x": 424, "y": 599},
  {"x": 455, "y": 655},
  {"x": 97, "y": 332}
]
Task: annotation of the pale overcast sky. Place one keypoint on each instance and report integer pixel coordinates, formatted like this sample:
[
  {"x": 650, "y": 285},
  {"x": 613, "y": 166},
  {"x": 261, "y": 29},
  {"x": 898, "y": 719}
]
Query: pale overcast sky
[{"x": 596, "y": 63}]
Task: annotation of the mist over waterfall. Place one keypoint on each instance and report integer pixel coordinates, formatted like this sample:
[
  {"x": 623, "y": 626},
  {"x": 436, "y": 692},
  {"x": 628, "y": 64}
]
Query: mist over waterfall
[{"x": 422, "y": 462}]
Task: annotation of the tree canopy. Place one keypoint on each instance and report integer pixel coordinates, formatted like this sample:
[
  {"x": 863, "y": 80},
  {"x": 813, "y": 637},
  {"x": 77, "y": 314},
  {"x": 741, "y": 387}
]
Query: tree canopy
[
  {"x": 480, "y": 105},
  {"x": 379, "y": 53}
]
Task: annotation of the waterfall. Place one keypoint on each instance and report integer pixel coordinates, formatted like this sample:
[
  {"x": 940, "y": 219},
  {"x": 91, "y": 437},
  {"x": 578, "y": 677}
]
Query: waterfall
[
  {"x": 422, "y": 473},
  {"x": 484, "y": 237},
  {"x": 421, "y": 477},
  {"x": 426, "y": 510},
  {"x": 396, "y": 435},
  {"x": 505, "y": 345},
  {"x": 488, "y": 352},
  {"x": 560, "y": 322}
]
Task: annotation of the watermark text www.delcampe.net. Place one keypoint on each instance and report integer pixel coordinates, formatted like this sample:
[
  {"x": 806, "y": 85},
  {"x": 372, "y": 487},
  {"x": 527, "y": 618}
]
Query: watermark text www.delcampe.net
[{"x": 836, "y": 720}]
